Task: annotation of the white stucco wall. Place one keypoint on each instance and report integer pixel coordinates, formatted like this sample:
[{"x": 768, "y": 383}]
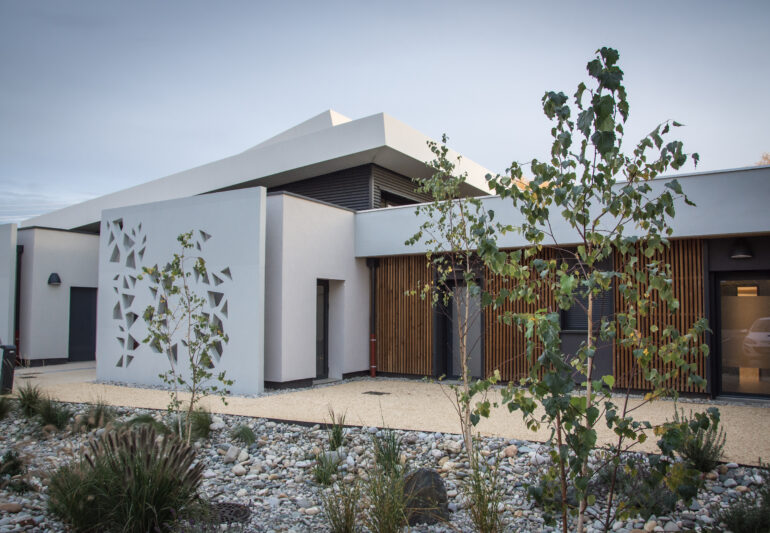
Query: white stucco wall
[
  {"x": 308, "y": 241},
  {"x": 229, "y": 233},
  {"x": 727, "y": 203},
  {"x": 7, "y": 281},
  {"x": 45, "y": 309}
]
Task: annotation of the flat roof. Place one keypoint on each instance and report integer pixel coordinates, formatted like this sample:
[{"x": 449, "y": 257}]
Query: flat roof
[{"x": 321, "y": 145}]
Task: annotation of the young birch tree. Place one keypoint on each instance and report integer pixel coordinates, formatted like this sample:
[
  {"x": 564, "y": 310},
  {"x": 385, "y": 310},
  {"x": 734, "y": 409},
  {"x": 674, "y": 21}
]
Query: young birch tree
[
  {"x": 608, "y": 201},
  {"x": 178, "y": 327},
  {"x": 455, "y": 227}
]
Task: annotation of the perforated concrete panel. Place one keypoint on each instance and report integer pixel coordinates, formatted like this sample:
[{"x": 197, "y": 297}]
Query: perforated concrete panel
[{"x": 228, "y": 233}]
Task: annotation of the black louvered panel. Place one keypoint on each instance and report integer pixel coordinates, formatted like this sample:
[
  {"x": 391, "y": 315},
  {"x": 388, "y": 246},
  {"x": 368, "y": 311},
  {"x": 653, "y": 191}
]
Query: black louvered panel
[
  {"x": 394, "y": 185},
  {"x": 346, "y": 188}
]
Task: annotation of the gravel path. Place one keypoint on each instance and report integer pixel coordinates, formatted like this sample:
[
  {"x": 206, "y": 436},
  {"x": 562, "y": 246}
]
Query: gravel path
[{"x": 399, "y": 403}]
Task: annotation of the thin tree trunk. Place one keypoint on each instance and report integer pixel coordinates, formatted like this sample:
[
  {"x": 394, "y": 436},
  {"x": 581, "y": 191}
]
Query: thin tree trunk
[
  {"x": 589, "y": 392},
  {"x": 463, "y": 337},
  {"x": 563, "y": 476}
]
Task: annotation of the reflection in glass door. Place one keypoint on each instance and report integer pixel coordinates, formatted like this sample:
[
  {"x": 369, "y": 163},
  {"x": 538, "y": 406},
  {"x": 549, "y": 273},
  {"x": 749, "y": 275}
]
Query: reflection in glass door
[{"x": 745, "y": 336}]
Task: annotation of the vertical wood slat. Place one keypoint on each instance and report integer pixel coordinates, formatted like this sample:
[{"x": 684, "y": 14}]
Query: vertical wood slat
[
  {"x": 404, "y": 324},
  {"x": 686, "y": 262},
  {"x": 505, "y": 345}
]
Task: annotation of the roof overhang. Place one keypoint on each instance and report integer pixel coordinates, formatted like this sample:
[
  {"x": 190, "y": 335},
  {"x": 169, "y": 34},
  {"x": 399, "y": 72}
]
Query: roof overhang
[{"x": 323, "y": 144}]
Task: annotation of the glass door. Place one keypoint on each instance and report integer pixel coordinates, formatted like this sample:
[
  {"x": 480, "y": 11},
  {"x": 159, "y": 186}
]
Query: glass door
[{"x": 744, "y": 332}]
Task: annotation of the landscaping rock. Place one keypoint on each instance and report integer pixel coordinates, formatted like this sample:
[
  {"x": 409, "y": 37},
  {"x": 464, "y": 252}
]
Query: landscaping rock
[
  {"x": 231, "y": 455},
  {"x": 426, "y": 497},
  {"x": 511, "y": 451},
  {"x": 10, "y": 507}
]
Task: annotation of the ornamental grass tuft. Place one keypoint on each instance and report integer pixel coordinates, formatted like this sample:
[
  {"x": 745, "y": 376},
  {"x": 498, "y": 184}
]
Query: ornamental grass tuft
[{"x": 128, "y": 481}]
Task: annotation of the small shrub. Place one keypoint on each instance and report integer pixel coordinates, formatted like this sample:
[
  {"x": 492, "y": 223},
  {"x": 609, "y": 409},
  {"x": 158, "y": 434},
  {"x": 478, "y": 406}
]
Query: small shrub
[
  {"x": 200, "y": 420},
  {"x": 340, "y": 505},
  {"x": 387, "y": 451},
  {"x": 53, "y": 413},
  {"x": 386, "y": 504},
  {"x": 336, "y": 430},
  {"x": 128, "y": 481},
  {"x": 12, "y": 473},
  {"x": 484, "y": 493},
  {"x": 641, "y": 488},
  {"x": 29, "y": 396},
  {"x": 99, "y": 415},
  {"x": 703, "y": 440},
  {"x": 244, "y": 434},
  {"x": 147, "y": 419},
  {"x": 324, "y": 469},
  {"x": 11, "y": 464},
  {"x": 749, "y": 513},
  {"x": 5, "y": 407}
]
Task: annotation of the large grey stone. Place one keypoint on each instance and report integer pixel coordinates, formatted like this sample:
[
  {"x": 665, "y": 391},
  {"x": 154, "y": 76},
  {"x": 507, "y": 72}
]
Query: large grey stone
[
  {"x": 232, "y": 455},
  {"x": 426, "y": 497}
]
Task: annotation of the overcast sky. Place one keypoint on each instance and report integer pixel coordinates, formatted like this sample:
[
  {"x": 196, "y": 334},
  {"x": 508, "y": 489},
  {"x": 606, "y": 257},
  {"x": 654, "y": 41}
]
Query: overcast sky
[{"x": 96, "y": 96}]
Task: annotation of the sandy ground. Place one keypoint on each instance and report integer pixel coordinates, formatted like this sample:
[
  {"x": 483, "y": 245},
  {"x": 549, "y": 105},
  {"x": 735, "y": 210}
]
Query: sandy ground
[{"x": 403, "y": 404}]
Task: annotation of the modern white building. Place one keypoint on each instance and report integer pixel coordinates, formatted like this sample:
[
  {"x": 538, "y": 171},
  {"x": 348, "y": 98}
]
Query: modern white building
[
  {"x": 276, "y": 227},
  {"x": 307, "y": 268}
]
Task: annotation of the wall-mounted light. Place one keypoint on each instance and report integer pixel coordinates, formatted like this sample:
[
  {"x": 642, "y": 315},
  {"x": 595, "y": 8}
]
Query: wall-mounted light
[
  {"x": 54, "y": 279},
  {"x": 741, "y": 250}
]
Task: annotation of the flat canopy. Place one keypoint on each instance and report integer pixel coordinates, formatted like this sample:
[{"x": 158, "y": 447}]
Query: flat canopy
[{"x": 323, "y": 144}]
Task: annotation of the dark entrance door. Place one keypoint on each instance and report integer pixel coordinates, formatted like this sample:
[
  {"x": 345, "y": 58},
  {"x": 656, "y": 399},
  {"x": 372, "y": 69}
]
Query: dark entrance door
[
  {"x": 454, "y": 326},
  {"x": 82, "y": 344},
  {"x": 744, "y": 333},
  {"x": 322, "y": 330}
]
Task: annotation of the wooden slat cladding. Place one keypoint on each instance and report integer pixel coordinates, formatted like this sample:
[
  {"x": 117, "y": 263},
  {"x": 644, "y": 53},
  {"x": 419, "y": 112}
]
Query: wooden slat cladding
[
  {"x": 505, "y": 345},
  {"x": 404, "y": 322},
  {"x": 686, "y": 260}
]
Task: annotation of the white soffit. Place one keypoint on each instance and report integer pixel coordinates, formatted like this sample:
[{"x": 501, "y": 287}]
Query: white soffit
[{"x": 325, "y": 143}]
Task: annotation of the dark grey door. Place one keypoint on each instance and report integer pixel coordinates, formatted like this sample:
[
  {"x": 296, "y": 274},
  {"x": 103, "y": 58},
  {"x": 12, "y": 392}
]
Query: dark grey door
[
  {"x": 470, "y": 326},
  {"x": 82, "y": 344},
  {"x": 322, "y": 330}
]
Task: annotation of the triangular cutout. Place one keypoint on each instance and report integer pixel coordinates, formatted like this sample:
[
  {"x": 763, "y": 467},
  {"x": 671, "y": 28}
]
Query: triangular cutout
[
  {"x": 217, "y": 280},
  {"x": 132, "y": 343},
  {"x": 205, "y": 236},
  {"x": 120, "y": 362},
  {"x": 227, "y": 273},
  {"x": 131, "y": 260},
  {"x": 172, "y": 353},
  {"x": 129, "y": 358},
  {"x": 215, "y": 298},
  {"x": 115, "y": 256},
  {"x": 224, "y": 308}
]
